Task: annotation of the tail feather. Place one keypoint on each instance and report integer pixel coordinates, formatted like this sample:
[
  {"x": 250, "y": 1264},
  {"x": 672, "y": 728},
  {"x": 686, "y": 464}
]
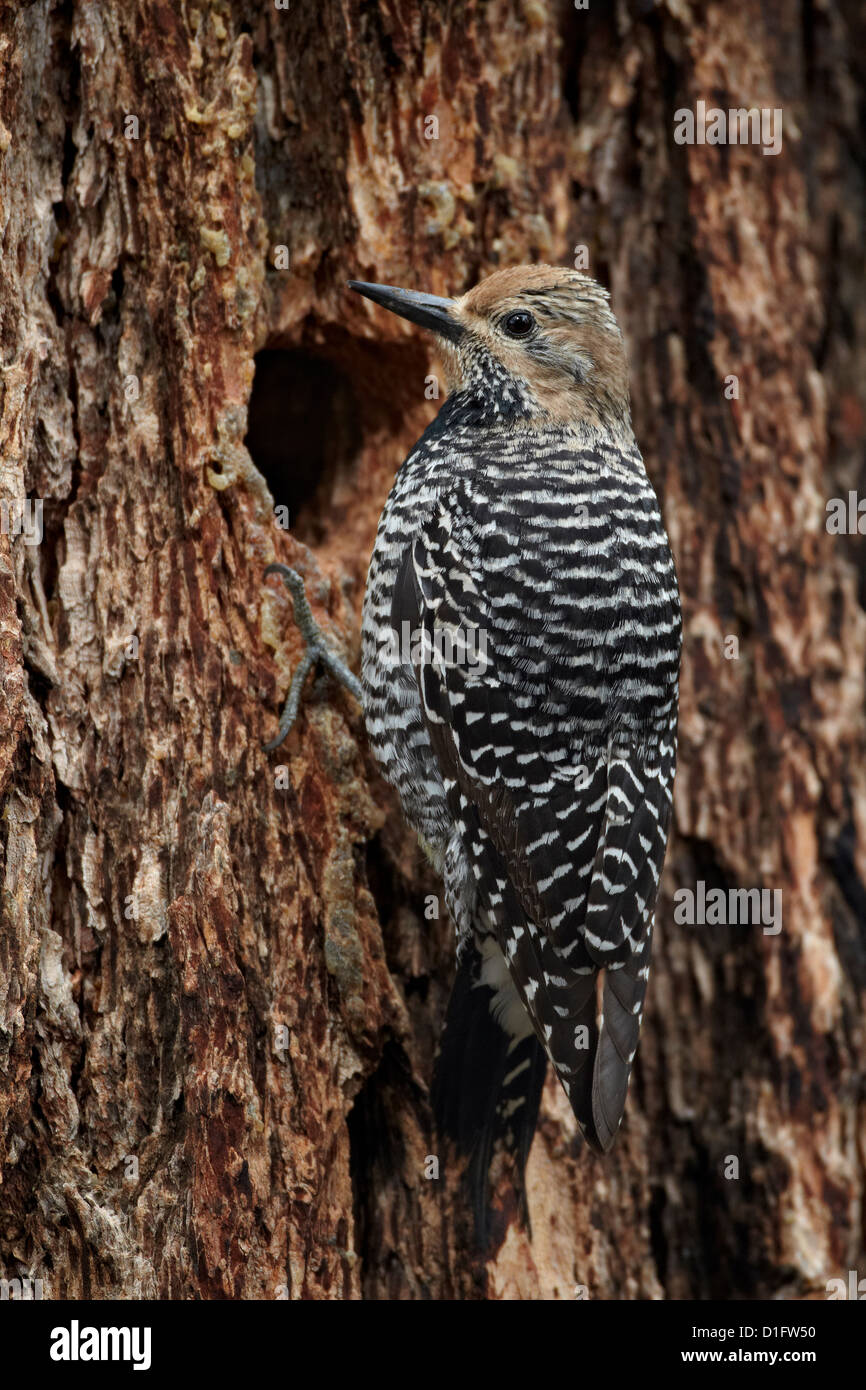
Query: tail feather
[
  {"x": 622, "y": 1003},
  {"x": 486, "y": 1089}
]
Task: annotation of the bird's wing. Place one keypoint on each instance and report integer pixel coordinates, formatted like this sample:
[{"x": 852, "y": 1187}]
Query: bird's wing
[{"x": 565, "y": 840}]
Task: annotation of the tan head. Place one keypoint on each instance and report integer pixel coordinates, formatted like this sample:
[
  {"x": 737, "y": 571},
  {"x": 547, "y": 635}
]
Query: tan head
[{"x": 532, "y": 341}]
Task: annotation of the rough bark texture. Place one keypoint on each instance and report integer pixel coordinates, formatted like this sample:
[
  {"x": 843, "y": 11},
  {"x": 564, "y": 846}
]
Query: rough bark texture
[{"x": 217, "y": 963}]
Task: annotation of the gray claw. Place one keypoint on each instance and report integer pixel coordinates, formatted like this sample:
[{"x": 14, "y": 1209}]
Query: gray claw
[{"x": 317, "y": 650}]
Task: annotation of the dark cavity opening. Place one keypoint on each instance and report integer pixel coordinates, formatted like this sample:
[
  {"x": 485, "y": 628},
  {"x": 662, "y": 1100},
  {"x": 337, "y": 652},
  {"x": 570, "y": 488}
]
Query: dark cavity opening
[{"x": 304, "y": 436}]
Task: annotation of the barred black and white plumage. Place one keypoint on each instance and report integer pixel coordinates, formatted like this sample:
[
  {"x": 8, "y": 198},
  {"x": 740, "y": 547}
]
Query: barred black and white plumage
[{"x": 539, "y": 779}]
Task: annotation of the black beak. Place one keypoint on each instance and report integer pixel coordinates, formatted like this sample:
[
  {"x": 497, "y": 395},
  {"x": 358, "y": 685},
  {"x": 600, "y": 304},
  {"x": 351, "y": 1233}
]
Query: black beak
[{"x": 425, "y": 309}]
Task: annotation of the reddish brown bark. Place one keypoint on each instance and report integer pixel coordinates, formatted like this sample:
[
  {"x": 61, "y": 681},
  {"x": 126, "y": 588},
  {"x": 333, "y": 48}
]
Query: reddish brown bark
[{"x": 225, "y": 973}]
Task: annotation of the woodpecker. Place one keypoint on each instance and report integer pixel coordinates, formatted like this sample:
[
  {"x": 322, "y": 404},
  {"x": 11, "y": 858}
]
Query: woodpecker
[{"x": 529, "y": 725}]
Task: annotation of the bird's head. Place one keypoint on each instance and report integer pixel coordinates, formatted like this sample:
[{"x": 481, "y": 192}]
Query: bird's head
[{"x": 527, "y": 342}]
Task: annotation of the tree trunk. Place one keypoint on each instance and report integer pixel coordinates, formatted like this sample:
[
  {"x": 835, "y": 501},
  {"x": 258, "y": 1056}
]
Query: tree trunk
[{"x": 222, "y": 972}]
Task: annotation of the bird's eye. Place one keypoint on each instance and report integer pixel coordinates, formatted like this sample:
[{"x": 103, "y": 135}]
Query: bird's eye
[{"x": 519, "y": 324}]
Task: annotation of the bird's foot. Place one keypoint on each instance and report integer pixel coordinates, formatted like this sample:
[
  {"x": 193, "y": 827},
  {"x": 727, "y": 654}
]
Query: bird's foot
[{"x": 317, "y": 650}]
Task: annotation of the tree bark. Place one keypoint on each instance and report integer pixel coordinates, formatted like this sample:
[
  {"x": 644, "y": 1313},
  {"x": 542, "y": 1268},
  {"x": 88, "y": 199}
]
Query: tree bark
[{"x": 222, "y": 972}]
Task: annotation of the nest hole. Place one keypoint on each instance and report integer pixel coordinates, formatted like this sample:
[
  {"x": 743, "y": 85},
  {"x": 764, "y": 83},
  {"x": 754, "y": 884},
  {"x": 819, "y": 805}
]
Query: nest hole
[{"x": 304, "y": 435}]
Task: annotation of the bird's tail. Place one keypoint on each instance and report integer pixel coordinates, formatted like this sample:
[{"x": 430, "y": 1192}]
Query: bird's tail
[
  {"x": 486, "y": 1089},
  {"x": 623, "y": 997}
]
